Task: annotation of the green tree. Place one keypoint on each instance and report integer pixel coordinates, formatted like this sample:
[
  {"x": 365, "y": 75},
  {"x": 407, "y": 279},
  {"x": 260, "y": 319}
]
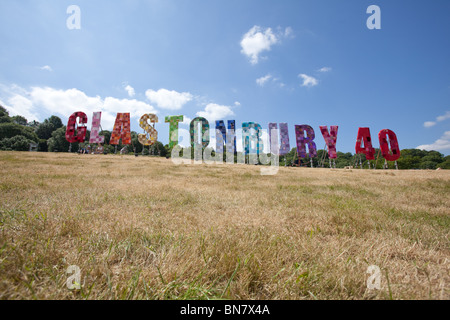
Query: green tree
[
  {"x": 58, "y": 142},
  {"x": 33, "y": 124},
  {"x": 10, "y": 129},
  {"x": 159, "y": 149},
  {"x": 20, "y": 120},
  {"x": 428, "y": 165},
  {"x": 45, "y": 130},
  {"x": 16, "y": 143},
  {"x": 4, "y": 115},
  {"x": 445, "y": 164},
  {"x": 56, "y": 122},
  {"x": 168, "y": 151}
]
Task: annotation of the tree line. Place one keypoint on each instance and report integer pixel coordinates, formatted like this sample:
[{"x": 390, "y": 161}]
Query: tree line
[{"x": 16, "y": 134}]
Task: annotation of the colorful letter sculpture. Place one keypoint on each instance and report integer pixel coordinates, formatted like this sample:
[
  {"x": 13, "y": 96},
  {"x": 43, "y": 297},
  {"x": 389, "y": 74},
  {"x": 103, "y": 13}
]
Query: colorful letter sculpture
[
  {"x": 252, "y": 141},
  {"x": 95, "y": 137},
  {"x": 151, "y": 135},
  {"x": 285, "y": 147},
  {"x": 247, "y": 138},
  {"x": 71, "y": 127},
  {"x": 367, "y": 149},
  {"x": 224, "y": 137},
  {"x": 302, "y": 141},
  {"x": 330, "y": 139},
  {"x": 121, "y": 130},
  {"x": 273, "y": 138},
  {"x": 173, "y": 129},
  {"x": 194, "y": 132},
  {"x": 394, "y": 153},
  {"x": 231, "y": 137}
]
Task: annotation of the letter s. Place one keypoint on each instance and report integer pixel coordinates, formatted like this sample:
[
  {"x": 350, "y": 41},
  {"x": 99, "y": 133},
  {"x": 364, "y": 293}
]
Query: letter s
[{"x": 151, "y": 135}]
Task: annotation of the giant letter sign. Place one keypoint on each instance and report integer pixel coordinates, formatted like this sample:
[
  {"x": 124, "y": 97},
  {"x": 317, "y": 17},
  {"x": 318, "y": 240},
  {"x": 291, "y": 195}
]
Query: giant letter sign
[
  {"x": 71, "y": 124},
  {"x": 173, "y": 129},
  {"x": 199, "y": 147},
  {"x": 121, "y": 129},
  {"x": 95, "y": 137},
  {"x": 273, "y": 138},
  {"x": 302, "y": 141},
  {"x": 247, "y": 138},
  {"x": 151, "y": 135},
  {"x": 194, "y": 132},
  {"x": 394, "y": 153},
  {"x": 284, "y": 139},
  {"x": 364, "y": 137},
  {"x": 330, "y": 139},
  {"x": 225, "y": 138}
]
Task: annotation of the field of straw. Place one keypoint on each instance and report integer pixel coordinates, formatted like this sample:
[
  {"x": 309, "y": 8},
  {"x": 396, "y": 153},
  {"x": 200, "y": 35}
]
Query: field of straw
[{"x": 144, "y": 228}]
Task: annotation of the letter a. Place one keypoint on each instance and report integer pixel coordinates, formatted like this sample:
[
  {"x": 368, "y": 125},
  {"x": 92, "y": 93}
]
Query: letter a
[
  {"x": 74, "y": 21},
  {"x": 364, "y": 143},
  {"x": 374, "y": 21}
]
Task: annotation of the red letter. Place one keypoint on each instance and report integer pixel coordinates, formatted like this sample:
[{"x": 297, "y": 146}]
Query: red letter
[
  {"x": 364, "y": 136},
  {"x": 330, "y": 139},
  {"x": 81, "y": 131},
  {"x": 394, "y": 153},
  {"x": 121, "y": 129}
]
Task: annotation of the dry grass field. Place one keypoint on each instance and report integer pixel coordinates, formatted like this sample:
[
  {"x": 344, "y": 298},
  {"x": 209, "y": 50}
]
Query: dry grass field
[{"x": 144, "y": 228}]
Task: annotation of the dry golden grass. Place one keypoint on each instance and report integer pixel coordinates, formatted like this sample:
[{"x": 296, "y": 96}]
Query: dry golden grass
[{"x": 143, "y": 228}]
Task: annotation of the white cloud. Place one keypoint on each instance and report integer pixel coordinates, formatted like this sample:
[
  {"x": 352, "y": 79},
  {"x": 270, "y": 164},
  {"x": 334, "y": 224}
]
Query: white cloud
[
  {"x": 20, "y": 105},
  {"x": 237, "y": 103},
  {"x": 46, "y": 68},
  {"x": 130, "y": 90},
  {"x": 214, "y": 112},
  {"x": 186, "y": 120},
  {"x": 325, "y": 69},
  {"x": 443, "y": 143},
  {"x": 256, "y": 41},
  {"x": 65, "y": 102},
  {"x": 171, "y": 100},
  {"x": 288, "y": 32},
  {"x": 444, "y": 117},
  {"x": 429, "y": 124},
  {"x": 261, "y": 81},
  {"x": 308, "y": 81}
]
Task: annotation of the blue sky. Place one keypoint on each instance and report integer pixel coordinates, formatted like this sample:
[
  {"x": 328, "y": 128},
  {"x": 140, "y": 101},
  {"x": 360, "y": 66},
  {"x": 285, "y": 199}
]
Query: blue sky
[{"x": 300, "y": 62}]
